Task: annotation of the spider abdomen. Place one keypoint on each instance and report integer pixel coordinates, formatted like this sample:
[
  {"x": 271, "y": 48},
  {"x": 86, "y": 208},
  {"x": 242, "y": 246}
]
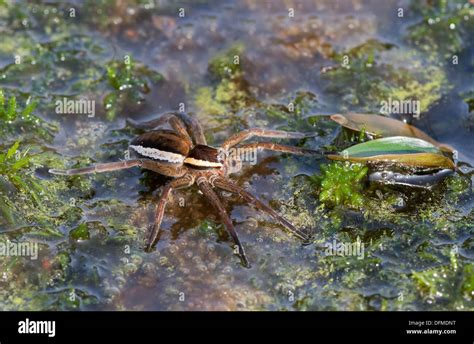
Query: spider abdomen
[
  {"x": 166, "y": 145},
  {"x": 162, "y": 145},
  {"x": 203, "y": 157}
]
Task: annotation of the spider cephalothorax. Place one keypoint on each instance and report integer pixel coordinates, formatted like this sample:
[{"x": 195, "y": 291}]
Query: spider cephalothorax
[{"x": 183, "y": 154}]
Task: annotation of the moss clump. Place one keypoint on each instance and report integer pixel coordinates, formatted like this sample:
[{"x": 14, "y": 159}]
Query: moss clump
[
  {"x": 206, "y": 102},
  {"x": 458, "y": 185},
  {"x": 294, "y": 113},
  {"x": 226, "y": 97},
  {"x": 209, "y": 228},
  {"x": 341, "y": 184}
]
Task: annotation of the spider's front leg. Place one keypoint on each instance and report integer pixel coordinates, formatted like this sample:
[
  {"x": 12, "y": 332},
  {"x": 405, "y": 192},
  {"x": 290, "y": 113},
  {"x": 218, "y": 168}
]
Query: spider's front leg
[
  {"x": 99, "y": 168},
  {"x": 279, "y": 148},
  {"x": 164, "y": 168},
  {"x": 206, "y": 189},
  {"x": 277, "y": 134},
  {"x": 180, "y": 183}
]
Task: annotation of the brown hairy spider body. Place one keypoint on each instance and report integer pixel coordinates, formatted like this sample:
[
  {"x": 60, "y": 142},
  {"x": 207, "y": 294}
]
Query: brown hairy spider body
[{"x": 183, "y": 154}]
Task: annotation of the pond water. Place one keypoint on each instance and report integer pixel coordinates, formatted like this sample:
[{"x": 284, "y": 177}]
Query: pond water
[{"x": 233, "y": 65}]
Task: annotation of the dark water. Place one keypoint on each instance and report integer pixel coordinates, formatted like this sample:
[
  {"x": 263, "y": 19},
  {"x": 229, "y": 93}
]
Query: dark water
[{"x": 283, "y": 59}]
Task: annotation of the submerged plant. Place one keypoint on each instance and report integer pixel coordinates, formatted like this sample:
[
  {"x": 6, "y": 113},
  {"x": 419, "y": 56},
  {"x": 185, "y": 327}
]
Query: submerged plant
[
  {"x": 440, "y": 281},
  {"x": 12, "y": 164},
  {"x": 375, "y": 71},
  {"x": 341, "y": 184},
  {"x": 230, "y": 91},
  {"x": 443, "y": 27},
  {"x": 12, "y": 119},
  {"x": 295, "y": 112},
  {"x": 130, "y": 81},
  {"x": 226, "y": 64}
]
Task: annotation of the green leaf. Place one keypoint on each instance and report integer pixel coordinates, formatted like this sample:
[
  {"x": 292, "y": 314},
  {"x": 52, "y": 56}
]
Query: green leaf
[
  {"x": 21, "y": 163},
  {"x": 401, "y": 150},
  {"x": 12, "y": 150},
  {"x": 112, "y": 75},
  {"x": 382, "y": 126},
  {"x": 11, "y": 111},
  {"x": 2, "y": 102},
  {"x": 391, "y": 145},
  {"x": 18, "y": 182},
  {"x": 30, "y": 107}
]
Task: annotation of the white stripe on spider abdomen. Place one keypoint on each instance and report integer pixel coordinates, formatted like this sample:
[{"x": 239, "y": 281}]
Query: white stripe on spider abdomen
[
  {"x": 202, "y": 163},
  {"x": 157, "y": 154}
]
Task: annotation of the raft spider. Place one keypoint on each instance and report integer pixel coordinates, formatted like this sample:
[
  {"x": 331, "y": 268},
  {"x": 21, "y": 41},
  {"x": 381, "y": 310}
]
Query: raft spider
[{"x": 183, "y": 154}]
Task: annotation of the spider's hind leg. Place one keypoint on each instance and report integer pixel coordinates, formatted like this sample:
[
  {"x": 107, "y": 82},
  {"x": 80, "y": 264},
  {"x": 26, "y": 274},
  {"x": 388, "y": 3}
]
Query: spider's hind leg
[
  {"x": 205, "y": 188},
  {"x": 187, "y": 126},
  {"x": 227, "y": 185},
  {"x": 180, "y": 183}
]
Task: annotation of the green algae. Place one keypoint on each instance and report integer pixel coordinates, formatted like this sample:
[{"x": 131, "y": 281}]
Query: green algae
[
  {"x": 226, "y": 64},
  {"x": 374, "y": 72},
  {"x": 443, "y": 30},
  {"x": 229, "y": 92},
  {"x": 80, "y": 233}
]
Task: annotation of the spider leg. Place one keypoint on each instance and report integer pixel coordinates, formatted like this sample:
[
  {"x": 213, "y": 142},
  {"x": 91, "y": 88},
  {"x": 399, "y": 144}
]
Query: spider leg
[
  {"x": 194, "y": 128},
  {"x": 164, "y": 168},
  {"x": 178, "y": 125},
  {"x": 111, "y": 166},
  {"x": 246, "y": 134},
  {"x": 227, "y": 185},
  {"x": 179, "y": 121},
  {"x": 216, "y": 203},
  {"x": 168, "y": 169},
  {"x": 279, "y": 148},
  {"x": 180, "y": 183}
]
